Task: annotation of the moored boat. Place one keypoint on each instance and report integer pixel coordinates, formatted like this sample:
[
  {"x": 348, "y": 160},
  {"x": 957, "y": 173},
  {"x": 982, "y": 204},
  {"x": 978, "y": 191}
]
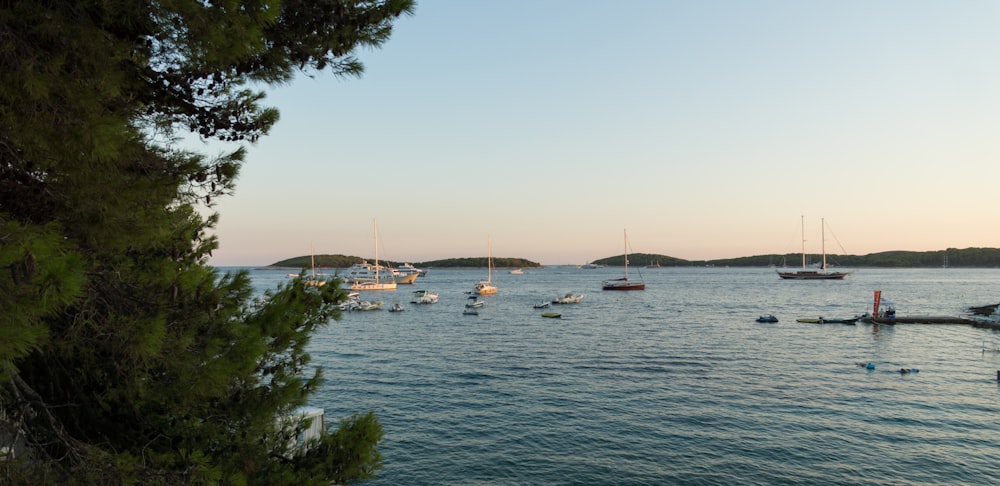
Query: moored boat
[
  {"x": 424, "y": 297},
  {"x": 486, "y": 287},
  {"x": 407, "y": 268},
  {"x": 822, "y": 273},
  {"x": 569, "y": 298},
  {"x": 376, "y": 281},
  {"x": 624, "y": 283}
]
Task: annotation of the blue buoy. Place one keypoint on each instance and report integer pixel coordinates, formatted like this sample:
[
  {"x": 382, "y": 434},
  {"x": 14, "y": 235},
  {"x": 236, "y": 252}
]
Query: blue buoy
[{"x": 870, "y": 366}]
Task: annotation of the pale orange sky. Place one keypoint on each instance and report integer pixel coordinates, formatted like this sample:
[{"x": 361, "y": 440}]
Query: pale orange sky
[{"x": 706, "y": 129}]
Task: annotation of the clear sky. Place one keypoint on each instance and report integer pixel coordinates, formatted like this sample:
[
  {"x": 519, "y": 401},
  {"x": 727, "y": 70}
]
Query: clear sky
[{"x": 706, "y": 129}]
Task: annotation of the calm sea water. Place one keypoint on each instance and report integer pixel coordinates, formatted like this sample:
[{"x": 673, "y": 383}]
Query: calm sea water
[{"x": 673, "y": 385}]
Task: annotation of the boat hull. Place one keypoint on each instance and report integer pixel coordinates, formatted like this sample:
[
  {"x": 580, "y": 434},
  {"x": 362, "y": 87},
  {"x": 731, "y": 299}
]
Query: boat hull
[
  {"x": 623, "y": 285},
  {"x": 485, "y": 288},
  {"x": 372, "y": 286},
  {"x": 807, "y": 275}
]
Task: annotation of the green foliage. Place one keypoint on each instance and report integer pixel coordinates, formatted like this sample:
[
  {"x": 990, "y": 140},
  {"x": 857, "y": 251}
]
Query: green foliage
[
  {"x": 640, "y": 260},
  {"x": 952, "y": 257},
  {"x": 479, "y": 262},
  {"x": 967, "y": 258},
  {"x": 124, "y": 357},
  {"x": 321, "y": 261},
  {"x": 342, "y": 261}
]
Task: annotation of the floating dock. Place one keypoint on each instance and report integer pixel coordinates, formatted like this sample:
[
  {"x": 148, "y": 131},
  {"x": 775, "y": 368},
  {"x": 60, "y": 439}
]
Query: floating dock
[{"x": 931, "y": 320}]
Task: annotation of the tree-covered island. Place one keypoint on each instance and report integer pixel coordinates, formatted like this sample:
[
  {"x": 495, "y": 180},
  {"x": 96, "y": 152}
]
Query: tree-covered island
[{"x": 964, "y": 258}]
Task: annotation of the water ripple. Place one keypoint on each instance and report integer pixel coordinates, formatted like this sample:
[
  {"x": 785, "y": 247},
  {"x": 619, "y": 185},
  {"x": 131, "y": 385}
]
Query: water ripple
[{"x": 674, "y": 385}]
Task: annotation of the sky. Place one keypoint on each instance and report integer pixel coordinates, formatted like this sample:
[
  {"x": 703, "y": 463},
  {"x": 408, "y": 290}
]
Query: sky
[{"x": 703, "y": 130}]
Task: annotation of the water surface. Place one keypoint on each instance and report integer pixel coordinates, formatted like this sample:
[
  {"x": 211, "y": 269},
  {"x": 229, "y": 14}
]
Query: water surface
[{"x": 676, "y": 384}]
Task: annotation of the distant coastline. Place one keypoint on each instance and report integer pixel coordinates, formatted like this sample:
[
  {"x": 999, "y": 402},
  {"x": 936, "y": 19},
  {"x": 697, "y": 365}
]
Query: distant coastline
[{"x": 951, "y": 257}]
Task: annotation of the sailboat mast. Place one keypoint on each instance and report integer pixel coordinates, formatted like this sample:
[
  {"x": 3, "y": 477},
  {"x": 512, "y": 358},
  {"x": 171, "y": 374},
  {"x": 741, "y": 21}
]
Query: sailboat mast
[
  {"x": 802, "y": 228},
  {"x": 822, "y": 222},
  {"x": 312, "y": 260},
  {"x": 625, "y": 241},
  {"x": 375, "y": 231},
  {"x": 489, "y": 260}
]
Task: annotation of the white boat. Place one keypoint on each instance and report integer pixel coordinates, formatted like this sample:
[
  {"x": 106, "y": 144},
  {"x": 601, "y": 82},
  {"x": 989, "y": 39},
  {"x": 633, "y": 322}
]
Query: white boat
[
  {"x": 407, "y": 273},
  {"x": 542, "y": 305},
  {"x": 475, "y": 304},
  {"x": 486, "y": 287},
  {"x": 376, "y": 282},
  {"x": 517, "y": 271},
  {"x": 589, "y": 265},
  {"x": 366, "y": 305},
  {"x": 397, "y": 307},
  {"x": 569, "y": 298},
  {"x": 424, "y": 297},
  {"x": 822, "y": 273},
  {"x": 367, "y": 271},
  {"x": 624, "y": 283},
  {"x": 407, "y": 269},
  {"x": 352, "y": 301}
]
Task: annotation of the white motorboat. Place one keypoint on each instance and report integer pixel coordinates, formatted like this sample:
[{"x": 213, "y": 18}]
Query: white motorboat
[
  {"x": 407, "y": 269},
  {"x": 367, "y": 305},
  {"x": 424, "y": 297},
  {"x": 569, "y": 298}
]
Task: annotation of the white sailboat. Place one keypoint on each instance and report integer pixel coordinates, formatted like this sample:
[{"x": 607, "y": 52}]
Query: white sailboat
[
  {"x": 624, "y": 283},
  {"x": 805, "y": 274},
  {"x": 312, "y": 273},
  {"x": 374, "y": 282},
  {"x": 486, "y": 287}
]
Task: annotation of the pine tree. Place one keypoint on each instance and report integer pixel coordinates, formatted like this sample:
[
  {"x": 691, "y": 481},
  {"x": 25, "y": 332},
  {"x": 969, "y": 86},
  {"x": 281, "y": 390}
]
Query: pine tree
[{"x": 124, "y": 356}]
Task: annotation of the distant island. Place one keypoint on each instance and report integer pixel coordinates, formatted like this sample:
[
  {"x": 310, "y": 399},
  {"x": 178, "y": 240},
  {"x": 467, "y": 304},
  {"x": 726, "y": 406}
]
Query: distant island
[
  {"x": 344, "y": 261},
  {"x": 952, "y": 257}
]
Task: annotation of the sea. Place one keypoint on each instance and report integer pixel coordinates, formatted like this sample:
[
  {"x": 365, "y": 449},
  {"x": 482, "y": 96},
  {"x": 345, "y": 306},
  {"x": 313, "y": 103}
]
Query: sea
[{"x": 676, "y": 384}]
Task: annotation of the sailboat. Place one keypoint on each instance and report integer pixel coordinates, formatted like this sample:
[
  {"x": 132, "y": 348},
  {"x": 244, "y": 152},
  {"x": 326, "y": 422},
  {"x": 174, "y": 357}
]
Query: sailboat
[
  {"x": 313, "y": 282},
  {"x": 624, "y": 283},
  {"x": 373, "y": 283},
  {"x": 805, "y": 274},
  {"x": 486, "y": 287}
]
